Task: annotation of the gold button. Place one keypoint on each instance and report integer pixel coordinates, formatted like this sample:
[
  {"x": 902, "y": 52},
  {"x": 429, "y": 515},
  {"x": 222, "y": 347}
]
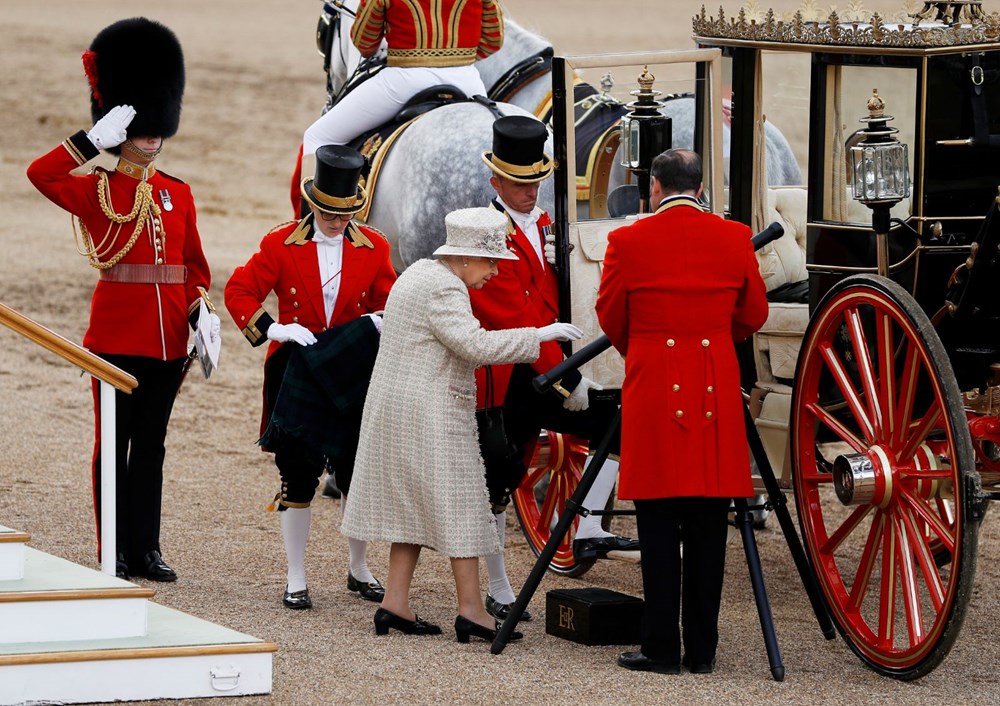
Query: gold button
[
  {"x": 711, "y": 389},
  {"x": 708, "y": 415},
  {"x": 677, "y": 388},
  {"x": 295, "y": 319},
  {"x": 679, "y": 413},
  {"x": 243, "y": 318},
  {"x": 295, "y": 304},
  {"x": 704, "y": 342},
  {"x": 292, "y": 290},
  {"x": 364, "y": 294},
  {"x": 159, "y": 261},
  {"x": 670, "y": 342},
  {"x": 526, "y": 293}
]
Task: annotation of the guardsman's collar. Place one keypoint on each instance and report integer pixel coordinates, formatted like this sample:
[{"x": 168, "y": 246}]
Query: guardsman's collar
[
  {"x": 496, "y": 204},
  {"x": 136, "y": 171},
  {"x": 680, "y": 200},
  {"x": 303, "y": 233}
]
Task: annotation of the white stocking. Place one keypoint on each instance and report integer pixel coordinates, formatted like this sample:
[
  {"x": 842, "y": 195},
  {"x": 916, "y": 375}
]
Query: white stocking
[
  {"x": 295, "y": 532},
  {"x": 597, "y": 498},
  {"x": 357, "y": 554},
  {"x": 499, "y": 587}
]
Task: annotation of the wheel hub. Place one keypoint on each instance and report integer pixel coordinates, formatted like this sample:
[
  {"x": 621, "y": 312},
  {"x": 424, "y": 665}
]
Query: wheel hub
[{"x": 863, "y": 479}]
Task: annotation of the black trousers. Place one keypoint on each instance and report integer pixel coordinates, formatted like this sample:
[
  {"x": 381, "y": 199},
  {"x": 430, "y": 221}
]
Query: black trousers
[
  {"x": 701, "y": 523},
  {"x": 141, "y": 420}
]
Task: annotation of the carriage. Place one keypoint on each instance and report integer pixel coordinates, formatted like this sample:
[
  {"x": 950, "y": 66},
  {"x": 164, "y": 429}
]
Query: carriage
[{"x": 875, "y": 382}]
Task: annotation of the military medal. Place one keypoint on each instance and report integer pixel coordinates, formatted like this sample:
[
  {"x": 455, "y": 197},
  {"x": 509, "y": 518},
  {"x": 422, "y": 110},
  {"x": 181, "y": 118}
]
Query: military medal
[{"x": 165, "y": 200}]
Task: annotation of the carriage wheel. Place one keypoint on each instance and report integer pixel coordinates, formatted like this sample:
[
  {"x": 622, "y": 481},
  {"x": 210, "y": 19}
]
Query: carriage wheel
[
  {"x": 552, "y": 478},
  {"x": 872, "y": 373}
]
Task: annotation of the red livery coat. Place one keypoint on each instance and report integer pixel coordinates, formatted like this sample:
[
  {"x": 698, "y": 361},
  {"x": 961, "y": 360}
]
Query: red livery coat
[
  {"x": 677, "y": 289},
  {"x": 148, "y": 320},
  {"x": 522, "y": 294},
  {"x": 287, "y": 264},
  {"x": 425, "y": 33}
]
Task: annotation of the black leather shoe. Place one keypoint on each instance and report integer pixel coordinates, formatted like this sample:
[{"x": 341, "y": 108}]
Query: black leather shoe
[
  {"x": 297, "y": 600},
  {"x": 638, "y": 662},
  {"x": 330, "y": 489},
  {"x": 371, "y": 591},
  {"x": 465, "y": 628},
  {"x": 121, "y": 567},
  {"x": 598, "y": 547},
  {"x": 500, "y": 610},
  {"x": 418, "y": 626},
  {"x": 154, "y": 568},
  {"x": 698, "y": 667}
]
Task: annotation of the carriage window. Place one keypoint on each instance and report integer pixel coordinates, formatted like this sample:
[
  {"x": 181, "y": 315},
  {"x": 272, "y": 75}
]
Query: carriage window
[{"x": 848, "y": 90}]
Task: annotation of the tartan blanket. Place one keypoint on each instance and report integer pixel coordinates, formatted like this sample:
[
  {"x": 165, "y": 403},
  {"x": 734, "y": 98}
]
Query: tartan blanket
[{"x": 322, "y": 394}]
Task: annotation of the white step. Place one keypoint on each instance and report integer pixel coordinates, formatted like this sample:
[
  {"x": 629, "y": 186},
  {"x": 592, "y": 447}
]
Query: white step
[
  {"x": 58, "y": 601},
  {"x": 12, "y": 553},
  {"x": 181, "y": 657}
]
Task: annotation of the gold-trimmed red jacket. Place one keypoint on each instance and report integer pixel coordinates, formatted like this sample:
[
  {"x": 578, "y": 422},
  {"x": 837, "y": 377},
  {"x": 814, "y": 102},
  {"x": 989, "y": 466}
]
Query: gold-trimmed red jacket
[
  {"x": 129, "y": 318},
  {"x": 429, "y": 32},
  {"x": 287, "y": 264}
]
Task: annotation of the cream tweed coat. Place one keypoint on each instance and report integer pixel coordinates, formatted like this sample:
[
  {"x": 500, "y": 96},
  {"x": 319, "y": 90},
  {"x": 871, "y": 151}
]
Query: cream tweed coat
[{"x": 418, "y": 476}]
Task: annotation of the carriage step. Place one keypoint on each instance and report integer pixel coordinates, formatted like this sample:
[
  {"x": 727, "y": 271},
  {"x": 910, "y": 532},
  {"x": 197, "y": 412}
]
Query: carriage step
[
  {"x": 12, "y": 553},
  {"x": 180, "y": 657},
  {"x": 58, "y": 600}
]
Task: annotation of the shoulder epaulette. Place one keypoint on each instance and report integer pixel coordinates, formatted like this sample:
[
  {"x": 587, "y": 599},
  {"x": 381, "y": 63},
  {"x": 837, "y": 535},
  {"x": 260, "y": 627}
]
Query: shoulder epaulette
[
  {"x": 280, "y": 226},
  {"x": 298, "y": 236},
  {"x": 374, "y": 230}
]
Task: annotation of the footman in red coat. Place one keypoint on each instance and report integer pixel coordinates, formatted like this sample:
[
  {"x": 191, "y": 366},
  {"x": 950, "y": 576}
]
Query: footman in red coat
[{"x": 678, "y": 289}]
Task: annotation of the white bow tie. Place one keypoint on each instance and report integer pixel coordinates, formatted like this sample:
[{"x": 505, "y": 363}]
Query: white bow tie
[{"x": 321, "y": 239}]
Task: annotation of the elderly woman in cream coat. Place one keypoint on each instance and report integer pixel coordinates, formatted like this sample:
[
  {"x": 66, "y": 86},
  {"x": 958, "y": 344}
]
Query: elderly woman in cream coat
[{"x": 418, "y": 478}]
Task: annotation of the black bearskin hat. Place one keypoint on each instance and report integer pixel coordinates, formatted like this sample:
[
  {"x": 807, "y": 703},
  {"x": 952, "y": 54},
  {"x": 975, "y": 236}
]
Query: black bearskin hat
[{"x": 137, "y": 62}]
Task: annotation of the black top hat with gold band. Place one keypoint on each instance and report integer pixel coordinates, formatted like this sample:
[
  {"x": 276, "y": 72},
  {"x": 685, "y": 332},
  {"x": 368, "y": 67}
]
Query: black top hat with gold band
[
  {"x": 335, "y": 188},
  {"x": 519, "y": 149},
  {"x": 137, "y": 62}
]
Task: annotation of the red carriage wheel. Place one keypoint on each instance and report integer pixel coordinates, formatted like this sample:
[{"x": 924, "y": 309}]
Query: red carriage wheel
[
  {"x": 885, "y": 482},
  {"x": 553, "y": 475}
]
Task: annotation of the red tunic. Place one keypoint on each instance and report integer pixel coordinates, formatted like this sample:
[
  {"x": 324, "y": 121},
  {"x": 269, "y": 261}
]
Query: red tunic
[
  {"x": 522, "y": 294},
  {"x": 148, "y": 320},
  {"x": 429, "y": 33},
  {"x": 678, "y": 288}
]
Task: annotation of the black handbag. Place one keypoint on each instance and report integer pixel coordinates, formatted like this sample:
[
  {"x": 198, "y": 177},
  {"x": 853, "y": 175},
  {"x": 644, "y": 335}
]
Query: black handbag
[{"x": 497, "y": 451}]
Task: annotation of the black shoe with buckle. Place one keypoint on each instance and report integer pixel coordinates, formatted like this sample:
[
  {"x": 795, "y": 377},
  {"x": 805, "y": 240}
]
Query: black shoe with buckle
[
  {"x": 121, "y": 567},
  {"x": 500, "y": 611},
  {"x": 297, "y": 600},
  {"x": 154, "y": 568},
  {"x": 598, "y": 547},
  {"x": 638, "y": 662},
  {"x": 418, "y": 626},
  {"x": 330, "y": 489},
  {"x": 371, "y": 591},
  {"x": 465, "y": 628}
]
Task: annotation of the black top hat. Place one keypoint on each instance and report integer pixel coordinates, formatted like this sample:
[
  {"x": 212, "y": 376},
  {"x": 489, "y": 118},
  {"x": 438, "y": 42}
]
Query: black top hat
[
  {"x": 137, "y": 62},
  {"x": 519, "y": 149},
  {"x": 335, "y": 188}
]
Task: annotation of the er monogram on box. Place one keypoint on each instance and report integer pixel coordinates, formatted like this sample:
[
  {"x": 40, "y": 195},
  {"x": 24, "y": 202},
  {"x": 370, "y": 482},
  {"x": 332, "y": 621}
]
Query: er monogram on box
[{"x": 593, "y": 616}]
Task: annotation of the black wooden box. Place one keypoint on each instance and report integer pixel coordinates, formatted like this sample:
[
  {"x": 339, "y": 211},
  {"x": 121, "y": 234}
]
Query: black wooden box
[{"x": 593, "y": 616}]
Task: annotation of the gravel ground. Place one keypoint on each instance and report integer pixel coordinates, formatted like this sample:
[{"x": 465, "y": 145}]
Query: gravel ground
[{"x": 254, "y": 82}]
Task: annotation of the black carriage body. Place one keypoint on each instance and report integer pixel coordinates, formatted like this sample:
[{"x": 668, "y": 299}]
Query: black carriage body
[{"x": 955, "y": 174}]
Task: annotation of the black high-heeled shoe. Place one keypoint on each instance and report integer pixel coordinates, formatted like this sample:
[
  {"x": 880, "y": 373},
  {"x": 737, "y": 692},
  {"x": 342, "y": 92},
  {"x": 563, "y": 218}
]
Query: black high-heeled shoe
[
  {"x": 385, "y": 620},
  {"x": 465, "y": 628}
]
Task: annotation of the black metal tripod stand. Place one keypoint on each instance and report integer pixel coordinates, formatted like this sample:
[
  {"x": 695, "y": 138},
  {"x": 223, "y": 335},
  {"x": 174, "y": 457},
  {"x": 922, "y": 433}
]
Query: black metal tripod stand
[{"x": 776, "y": 500}]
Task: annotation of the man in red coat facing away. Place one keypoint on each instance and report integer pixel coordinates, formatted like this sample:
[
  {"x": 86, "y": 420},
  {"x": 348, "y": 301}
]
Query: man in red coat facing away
[
  {"x": 678, "y": 289},
  {"x": 525, "y": 292},
  {"x": 326, "y": 271},
  {"x": 138, "y": 229}
]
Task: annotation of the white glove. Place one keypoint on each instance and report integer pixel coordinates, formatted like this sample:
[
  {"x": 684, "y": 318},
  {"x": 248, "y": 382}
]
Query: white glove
[
  {"x": 296, "y": 333},
  {"x": 215, "y": 327},
  {"x": 550, "y": 249},
  {"x": 109, "y": 131},
  {"x": 579, "y": 400},
  {"x": 377, "y": 320},
  {"x": 559, "y": 332}
]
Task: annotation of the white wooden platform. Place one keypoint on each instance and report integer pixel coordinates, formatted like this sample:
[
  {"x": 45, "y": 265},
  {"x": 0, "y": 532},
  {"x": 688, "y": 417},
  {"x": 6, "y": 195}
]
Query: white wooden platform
[{"x": 70, "y": 634}]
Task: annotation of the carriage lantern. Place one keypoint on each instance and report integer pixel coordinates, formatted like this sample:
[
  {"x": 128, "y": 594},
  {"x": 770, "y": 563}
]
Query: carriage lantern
[
  {"x": 880, "y": 173},
  {"x": 645, "y": 133}
]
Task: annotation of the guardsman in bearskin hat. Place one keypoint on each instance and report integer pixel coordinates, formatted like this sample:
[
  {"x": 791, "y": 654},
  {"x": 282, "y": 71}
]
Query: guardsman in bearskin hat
[
  {"x": 526, "y": 293},
  {"x": 137, "y": 228},
  {"x": 326, "y": 271}
]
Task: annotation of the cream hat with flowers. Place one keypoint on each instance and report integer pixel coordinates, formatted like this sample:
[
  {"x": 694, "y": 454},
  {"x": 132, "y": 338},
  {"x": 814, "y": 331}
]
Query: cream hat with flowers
[{"x": 476, "y": 232}]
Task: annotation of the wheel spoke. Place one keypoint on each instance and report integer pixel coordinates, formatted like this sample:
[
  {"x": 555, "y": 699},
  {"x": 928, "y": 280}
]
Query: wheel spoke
[
  {"x": 866, "y": 372},
  {"x": 887, "y": 375},
  {"x": 927, "y": 424},
  {"x": 887, "y": 595},
  {"x": 843, "y": 382},
  {"x": 925, "y": 561},
  {"x": 835, "y": 425},
  {"x": 925, "y": 513},
  {"x": 909, "y": 374},
  {"x": 908, "y": 582},
  {"x": 830, "y": 545},
  {"x": 863, "y": 576}
]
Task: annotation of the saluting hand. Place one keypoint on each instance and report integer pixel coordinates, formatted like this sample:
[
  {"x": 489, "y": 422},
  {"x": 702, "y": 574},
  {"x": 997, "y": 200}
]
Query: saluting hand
[{"x": 110, "y": 131}]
